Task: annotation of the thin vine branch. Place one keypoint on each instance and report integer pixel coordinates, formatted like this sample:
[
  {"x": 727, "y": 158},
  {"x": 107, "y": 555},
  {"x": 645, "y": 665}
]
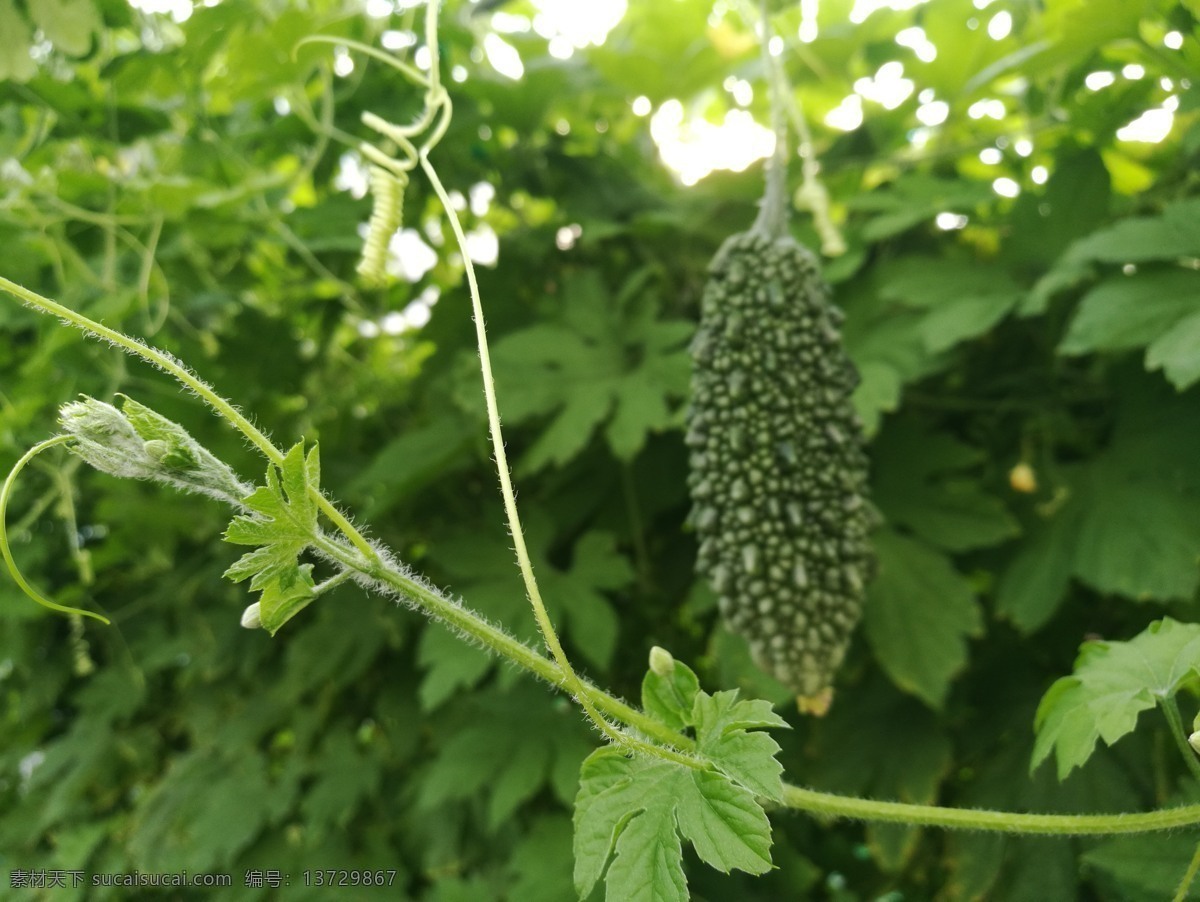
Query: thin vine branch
[
  {"x": 439, "y": 109},
  {"x": 6, "y": 552},
  {"x": 984, "y": 820},
  {"x": 1189, "y": 876},
  {"x": 1170, "y": 710},
  {"x": 773, "y": 214},
  {"x": 570, "y": 680},
  {"x": 785, "y": 107}
]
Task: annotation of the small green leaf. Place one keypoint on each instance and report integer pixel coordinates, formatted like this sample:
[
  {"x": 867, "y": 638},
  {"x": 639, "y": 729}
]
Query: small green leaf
[
  {"x": 451, "y": 664},
  {"x": 960, "y": 299},
  {"x": 283, "y": 521},
  {"x": 877, "y": 393},
  {"x": 1112, "y": 684},
  {"x": 1034, "y": 584},
  {"x": 418, "y": 455},
  {"x": 517, "y": 782},
  {"x": 609, "y": 364},
  {"x": 1077, "y": 196},
  {"x": 670, "y": 697},
  {"x": 508, "y": 745},
  {"x": 966, "y": 318},
  {"x": 346, "y": 775},
  {"x": 599, "y": 814},
  {"x": 540, "y": 864},
  {"x": 480, "y": 563},
  {"x": 636, "y": 809},
  {"x": 749, "y": 760},
  {"x": 1115, "y": 512},
  {"x": 722, "y": 722},
  {"x": 648, "y": 862},
  {"x": 722, "y": 712},
  {"x": 914, "y": 199},
  {"x": 674, "y": 58},
  {"x": 284, "y": 596},
  {"x": 1059, "y": 280},
  {"x": 182, "y": 821}
]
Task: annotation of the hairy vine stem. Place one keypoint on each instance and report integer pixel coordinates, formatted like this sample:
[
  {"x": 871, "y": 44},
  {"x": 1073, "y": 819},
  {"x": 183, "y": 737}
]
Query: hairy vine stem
[
  {"x": 571, "y": 680},
  {"x": 1170, "y": 710},
  {"x": 989, "y": 821}
]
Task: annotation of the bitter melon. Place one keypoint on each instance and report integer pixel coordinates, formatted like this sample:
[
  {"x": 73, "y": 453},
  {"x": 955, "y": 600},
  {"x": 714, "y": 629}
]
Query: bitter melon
[{"x": 778, "y": 475}]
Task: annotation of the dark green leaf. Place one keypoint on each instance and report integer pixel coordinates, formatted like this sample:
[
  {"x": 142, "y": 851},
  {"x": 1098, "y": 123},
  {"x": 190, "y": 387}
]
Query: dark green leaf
[
  {"x": 1132, "y": 311},
  {"x": 920, "y": 613},
  {"x": 1173, "y": 235},
  {"x": 1144, "y": 868},
  {"x": 921, "y": 482}
]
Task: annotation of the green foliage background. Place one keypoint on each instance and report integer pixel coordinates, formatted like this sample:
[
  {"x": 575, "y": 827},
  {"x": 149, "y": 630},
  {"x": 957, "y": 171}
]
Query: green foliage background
[{"x": 159, "y": 178}]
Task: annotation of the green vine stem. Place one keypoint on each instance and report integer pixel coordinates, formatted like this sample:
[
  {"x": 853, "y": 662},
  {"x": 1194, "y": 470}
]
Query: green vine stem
[
  {"x": 467, "y": 622},
  {"x": 800, "y": 798},
  {"x": 571, "y": 680},
  {"x": 828, "y": 804},
  {"x": 1188, "y": 877},
  {"x": 1170, "y": 710},
  {"x": 772, "y": 215},
  {"x": 785, "y": 106},
  {"x": 6, "y": 552},
  {"x": 436, "y": 117}
]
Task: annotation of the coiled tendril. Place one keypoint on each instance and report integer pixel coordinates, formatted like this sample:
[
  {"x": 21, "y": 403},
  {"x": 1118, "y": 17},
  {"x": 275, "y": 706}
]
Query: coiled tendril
[{"x": 387, "y": 215}]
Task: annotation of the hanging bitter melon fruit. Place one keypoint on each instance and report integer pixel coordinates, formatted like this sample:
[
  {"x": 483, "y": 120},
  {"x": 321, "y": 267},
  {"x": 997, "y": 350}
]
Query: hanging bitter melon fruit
[{"x": 777, "y": 468}]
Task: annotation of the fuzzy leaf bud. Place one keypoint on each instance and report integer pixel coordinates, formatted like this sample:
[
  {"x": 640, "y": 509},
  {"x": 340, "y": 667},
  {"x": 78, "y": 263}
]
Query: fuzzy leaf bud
[{"x": 134, "y": 442}]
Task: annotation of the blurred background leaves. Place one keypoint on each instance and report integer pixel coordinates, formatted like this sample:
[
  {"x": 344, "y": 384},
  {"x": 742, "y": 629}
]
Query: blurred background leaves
[{"x": 1016, "y": 183}]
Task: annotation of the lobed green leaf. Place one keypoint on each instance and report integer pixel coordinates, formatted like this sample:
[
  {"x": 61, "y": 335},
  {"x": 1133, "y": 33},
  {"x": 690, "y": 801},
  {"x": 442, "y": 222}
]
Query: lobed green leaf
[
  {"x": 631, "y": 809},
  {"x": 1112, "y": 684},
  {"x": 282, "y": 522}
]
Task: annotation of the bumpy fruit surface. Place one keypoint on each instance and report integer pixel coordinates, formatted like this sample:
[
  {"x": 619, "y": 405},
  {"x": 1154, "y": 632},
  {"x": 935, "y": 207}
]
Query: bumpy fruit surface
[{"x": 778, "y": 474}]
